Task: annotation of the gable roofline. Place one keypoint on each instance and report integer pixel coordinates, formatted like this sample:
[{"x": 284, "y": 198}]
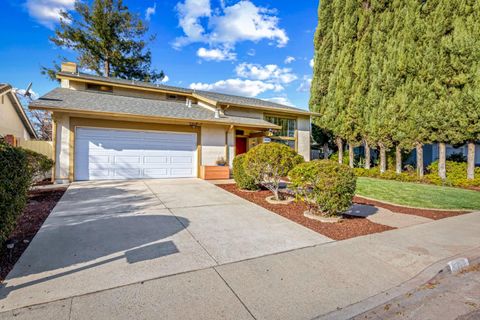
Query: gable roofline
[
  {"x": 7, "y": 90},
  {"x": 213, "y": 98}
]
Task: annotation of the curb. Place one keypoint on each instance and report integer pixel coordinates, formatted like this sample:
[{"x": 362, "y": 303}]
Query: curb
[{"x": 424, "y": 276}]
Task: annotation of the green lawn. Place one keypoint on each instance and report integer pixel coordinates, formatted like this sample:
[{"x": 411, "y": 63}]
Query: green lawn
[{"x": 418, "y": 195}]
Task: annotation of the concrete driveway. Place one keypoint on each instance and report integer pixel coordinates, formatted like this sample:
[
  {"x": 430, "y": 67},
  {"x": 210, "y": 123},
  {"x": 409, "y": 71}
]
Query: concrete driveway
[{"x": 103, "y": 235}]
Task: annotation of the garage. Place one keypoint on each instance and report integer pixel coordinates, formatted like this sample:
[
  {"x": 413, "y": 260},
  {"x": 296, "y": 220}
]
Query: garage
[{"x": 104, "y": 154}]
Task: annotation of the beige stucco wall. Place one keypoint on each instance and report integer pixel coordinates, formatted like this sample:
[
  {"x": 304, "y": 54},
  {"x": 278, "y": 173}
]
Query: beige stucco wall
[
  {"x": 303, "y": 137},
  {"x": 10, "y": 122},
  {"x": 62, "y": 149},
  {"x": 213, "y": 144}
]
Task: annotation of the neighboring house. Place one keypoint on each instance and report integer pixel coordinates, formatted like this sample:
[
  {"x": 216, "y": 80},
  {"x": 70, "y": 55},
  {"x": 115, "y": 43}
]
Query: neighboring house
[
  {"x": 431, "y": 152},
  {"x": 14, "y": 123},
  {"x": 108, "y": 128}
]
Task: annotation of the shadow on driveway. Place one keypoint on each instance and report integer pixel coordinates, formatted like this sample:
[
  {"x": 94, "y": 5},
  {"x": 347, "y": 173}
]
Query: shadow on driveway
[{"x": 91, "y": 223}]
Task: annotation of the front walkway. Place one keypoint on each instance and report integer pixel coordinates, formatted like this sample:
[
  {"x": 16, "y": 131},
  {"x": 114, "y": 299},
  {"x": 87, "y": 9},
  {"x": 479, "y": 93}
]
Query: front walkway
[
  {"x": 299, "y": 284},
  {"x": 103, "y": 235}
]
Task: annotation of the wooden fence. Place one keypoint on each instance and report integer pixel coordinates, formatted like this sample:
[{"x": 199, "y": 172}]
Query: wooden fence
[{"x": 43, "y": 147}]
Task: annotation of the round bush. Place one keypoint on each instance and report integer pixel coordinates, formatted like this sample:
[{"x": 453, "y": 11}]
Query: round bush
[
  {"x": 268, "y": 163},
  {"x": 242, "y": 179},
  {"x": 38, "y": 164},
  {"x": 326, "y": 186},
  {"x": 15, "y": 180}
]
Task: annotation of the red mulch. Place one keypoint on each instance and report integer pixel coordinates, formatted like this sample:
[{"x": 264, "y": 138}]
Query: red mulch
[
  {"x": 350, "y": 227},
  {"x": 431, "y": 214},
  {"x": 40, "y": 204}
]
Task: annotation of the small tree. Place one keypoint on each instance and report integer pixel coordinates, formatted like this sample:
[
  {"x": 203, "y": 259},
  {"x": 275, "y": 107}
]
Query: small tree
[{"x": 269, "y": 163}]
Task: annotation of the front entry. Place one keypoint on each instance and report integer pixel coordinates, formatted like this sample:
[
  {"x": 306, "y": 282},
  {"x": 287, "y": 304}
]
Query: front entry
[{"x": 241, "y": 145}]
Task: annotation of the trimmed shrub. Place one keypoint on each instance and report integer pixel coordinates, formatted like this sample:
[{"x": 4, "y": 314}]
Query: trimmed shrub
[
  {"x": 334, "y": 157},
  {"x": 242, "y": 179},
  {"x": 268, "y": 163},
  {"x": 15, "y": 180},
  {"x": 38, "y": 164},
  {"x": 456, "y": 175},
  {"x": 327, "y": 187}
]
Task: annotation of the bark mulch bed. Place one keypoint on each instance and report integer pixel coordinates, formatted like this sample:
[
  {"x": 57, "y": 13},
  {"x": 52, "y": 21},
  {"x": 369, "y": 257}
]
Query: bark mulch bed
[
  {"x": 427, "y": 213},
  {"x": 40, "y": 204},
  {"x": 350, "y": 227}
]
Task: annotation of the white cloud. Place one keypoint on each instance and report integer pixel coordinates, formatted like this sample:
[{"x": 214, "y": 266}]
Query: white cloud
[
  {"x": 245, "y": 21},
  {"x": 251, "y": 52},
  {"x": 47, "y": 12},
  {"x": 248, "y": 88},
  {"x": 269, "y": 72},
  {"x": 280, "y": 100},
  {"x": 305, "y": 84},
  {"x": 227, "y": 25},
  {"x": 216, "y": 54},
  {"x": 150, "y": 12},
  {"x": 190, "y": 12},
  {"x": 165, "y": 79},
  {"x": 312, "y": 63},
  {"x": 289, "y": 60}
]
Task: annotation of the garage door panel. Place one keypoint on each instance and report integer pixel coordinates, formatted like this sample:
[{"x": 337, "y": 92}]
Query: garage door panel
[
  {"x": 120, "y": 154},
  {"x": 156, "y": 160}
]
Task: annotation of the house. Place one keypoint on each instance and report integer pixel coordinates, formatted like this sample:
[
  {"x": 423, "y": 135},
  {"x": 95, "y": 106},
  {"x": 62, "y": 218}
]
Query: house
[
  {"x": 14, "y": 123},
  {"x": 431, "y": 153},
  {"x": 108, "y": 128}
]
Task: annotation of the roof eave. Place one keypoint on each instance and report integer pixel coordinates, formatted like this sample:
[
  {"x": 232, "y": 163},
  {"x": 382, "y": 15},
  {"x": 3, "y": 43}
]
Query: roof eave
[{"x": 143, "y": 117}]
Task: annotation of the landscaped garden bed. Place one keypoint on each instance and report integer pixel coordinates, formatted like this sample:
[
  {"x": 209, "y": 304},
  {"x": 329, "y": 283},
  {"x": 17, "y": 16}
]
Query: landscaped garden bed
[
  {"x": 348, "y": 227},
  {"x": 39, "y": 205}
]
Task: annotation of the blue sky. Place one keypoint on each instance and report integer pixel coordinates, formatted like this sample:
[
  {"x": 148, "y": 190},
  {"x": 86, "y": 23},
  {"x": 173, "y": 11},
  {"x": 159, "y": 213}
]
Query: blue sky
[{"x": 254, "y": 48}]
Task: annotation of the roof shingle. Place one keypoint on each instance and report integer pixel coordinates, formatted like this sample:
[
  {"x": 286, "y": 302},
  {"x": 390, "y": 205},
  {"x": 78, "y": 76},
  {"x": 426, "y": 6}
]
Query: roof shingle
[{"x": 76, "y": 100}]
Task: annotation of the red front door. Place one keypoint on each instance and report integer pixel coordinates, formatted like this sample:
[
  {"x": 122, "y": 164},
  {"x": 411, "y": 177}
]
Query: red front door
[{"x": 241, "y": 145}]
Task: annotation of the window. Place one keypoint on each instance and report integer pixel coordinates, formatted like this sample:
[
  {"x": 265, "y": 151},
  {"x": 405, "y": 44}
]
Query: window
[
  {"x": 98, "y": 87},
  {"x": 288, "y": 126},
  {"x": 172, "y": 97}
]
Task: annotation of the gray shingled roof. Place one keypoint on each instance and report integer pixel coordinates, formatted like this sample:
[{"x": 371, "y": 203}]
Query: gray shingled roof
[
  {"x": 244, "y": 101},
  {"x": 76, "y": 100},
  {"x": 220, "y": 97}
]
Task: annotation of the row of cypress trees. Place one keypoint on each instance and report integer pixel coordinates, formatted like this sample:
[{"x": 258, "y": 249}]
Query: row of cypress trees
[{"x": 398, "y": 74}]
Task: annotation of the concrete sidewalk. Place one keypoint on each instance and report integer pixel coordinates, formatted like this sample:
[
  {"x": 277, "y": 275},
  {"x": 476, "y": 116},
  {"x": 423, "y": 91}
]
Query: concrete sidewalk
[{"x": 299, "y": 284}]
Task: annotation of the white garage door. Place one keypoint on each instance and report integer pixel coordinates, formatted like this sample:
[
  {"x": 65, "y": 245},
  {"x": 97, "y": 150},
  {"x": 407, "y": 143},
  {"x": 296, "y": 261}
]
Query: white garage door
[{"x": 102, "y": 154}]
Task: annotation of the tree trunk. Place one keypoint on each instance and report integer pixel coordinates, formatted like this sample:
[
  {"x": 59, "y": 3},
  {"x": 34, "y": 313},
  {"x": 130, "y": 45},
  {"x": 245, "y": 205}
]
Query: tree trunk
[
  {"x": 398, "y": 159},
  {"x": 325, "y": 151},
  {"x": 106, "y": 70},
  {"x": 351, "y": 155},
  {"x": 340, "y": 150},
  {"x": 442, "y": 155},
  {"x": 367, "y": 156},
  {"x": 471, "y": 160},
  {"x": 383, "y": 159},
  {"x": 420, "y": 169}
]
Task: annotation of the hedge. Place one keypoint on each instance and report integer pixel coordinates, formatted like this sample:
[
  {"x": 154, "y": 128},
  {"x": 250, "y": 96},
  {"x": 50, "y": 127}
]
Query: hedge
[
  {"x": 243, "y": 180},
  {"x": 326, "y": 186},
  {"x": 15, "y": 180},
  {"x": 456, "y": 175}
]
